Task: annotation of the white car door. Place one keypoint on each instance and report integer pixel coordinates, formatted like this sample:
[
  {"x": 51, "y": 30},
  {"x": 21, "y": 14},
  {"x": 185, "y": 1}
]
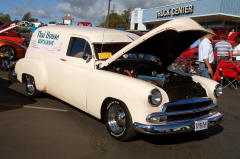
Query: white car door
[{"x": 73, "y": 72}]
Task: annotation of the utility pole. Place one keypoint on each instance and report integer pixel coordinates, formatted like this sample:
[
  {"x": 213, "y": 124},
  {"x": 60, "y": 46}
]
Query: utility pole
[{"x": 108, "y": 13}]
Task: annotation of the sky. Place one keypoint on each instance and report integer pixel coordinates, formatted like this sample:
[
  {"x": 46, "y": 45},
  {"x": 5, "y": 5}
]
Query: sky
[{"x": 93, "y": 11}]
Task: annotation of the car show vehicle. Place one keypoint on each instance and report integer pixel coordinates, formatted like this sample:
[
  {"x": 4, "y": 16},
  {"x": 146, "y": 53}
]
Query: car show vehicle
[
  {"x": 123, "y": 78},
  {"x": 24, "y": 28},
  {"x": 12, "y": 48},
  {"x": 84, "y": 24},
  {"x": 219, "y": 31},
  {"x": 9, "y": 29}
]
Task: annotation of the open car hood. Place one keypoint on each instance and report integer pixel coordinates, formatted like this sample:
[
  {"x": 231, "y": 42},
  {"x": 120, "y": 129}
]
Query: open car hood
[{"x": 165, "y": 42}]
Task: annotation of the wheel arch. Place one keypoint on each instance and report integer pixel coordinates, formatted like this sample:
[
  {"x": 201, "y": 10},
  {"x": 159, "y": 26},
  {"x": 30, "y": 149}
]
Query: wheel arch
[
  {"x": 104, "y": 105},
  {"x": 37, "y": 70}
]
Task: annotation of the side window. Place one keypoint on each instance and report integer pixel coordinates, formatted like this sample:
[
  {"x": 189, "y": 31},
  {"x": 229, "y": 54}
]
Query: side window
[{"x": 78, "y": 47}]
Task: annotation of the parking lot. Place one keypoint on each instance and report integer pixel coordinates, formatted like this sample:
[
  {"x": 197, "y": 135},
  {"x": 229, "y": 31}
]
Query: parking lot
[{"x": 49, "y": 128}]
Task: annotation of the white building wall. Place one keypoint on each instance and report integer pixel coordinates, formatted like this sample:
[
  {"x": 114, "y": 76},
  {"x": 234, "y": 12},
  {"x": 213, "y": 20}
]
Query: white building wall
[{"x": 136, "y": 18}]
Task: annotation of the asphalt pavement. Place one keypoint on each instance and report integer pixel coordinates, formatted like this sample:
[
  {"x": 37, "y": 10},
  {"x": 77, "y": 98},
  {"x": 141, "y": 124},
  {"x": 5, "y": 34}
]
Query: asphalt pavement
[{"x": 50, "y": 128}]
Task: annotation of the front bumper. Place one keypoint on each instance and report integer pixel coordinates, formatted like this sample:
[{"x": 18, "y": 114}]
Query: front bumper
[{"x": 174, "y": 128}]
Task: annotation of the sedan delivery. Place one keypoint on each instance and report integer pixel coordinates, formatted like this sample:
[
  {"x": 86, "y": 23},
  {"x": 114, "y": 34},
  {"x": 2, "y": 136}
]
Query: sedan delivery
[{"x": 123, "y": 78}]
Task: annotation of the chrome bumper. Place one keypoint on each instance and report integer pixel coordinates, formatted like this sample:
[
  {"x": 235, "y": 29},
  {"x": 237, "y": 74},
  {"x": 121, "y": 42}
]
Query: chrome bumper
[{"x": 174, "y": 128}]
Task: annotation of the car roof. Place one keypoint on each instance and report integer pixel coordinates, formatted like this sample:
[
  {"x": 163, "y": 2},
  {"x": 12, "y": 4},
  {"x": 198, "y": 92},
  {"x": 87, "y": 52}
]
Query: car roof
[{"x": 94, "y": 34}]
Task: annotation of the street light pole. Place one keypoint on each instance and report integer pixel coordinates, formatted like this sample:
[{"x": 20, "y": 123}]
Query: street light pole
[{"x": 108, "y": 12}]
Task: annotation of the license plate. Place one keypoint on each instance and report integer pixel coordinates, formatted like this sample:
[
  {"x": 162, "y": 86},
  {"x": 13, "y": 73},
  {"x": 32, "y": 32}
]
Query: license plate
[{"x": 201, "y": 125}]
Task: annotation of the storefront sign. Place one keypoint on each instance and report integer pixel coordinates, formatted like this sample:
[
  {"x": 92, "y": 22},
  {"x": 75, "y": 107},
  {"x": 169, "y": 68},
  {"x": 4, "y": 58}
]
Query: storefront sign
[
  {"x": 175, "y": 11},
  {"x": 135, "y": 16}
]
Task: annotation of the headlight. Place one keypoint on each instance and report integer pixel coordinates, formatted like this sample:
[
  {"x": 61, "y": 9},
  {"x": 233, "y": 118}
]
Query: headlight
[
  {"x": 218, "y": 90},
  {"x": 155, "y": 98}
]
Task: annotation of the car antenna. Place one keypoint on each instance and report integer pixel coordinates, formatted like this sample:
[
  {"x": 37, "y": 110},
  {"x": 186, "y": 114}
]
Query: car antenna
[{"x": 103, "y": 37}]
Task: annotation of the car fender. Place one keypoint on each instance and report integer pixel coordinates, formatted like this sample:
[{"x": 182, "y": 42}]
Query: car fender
[
  {"x": 133, "y": 92},
  {"x": 207, "y": 84},
  {"x": 34, "y": 67}
]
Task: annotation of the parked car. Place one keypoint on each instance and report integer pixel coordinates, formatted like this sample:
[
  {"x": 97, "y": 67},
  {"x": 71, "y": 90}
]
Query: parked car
[
  {"x": 15, "y": 39},
  {"x": 1, "y": 22},
  {"x": 12, "y": 48},
  {"x": 25, "y": 28},
  {"x": 84, "y": 24},
  {"x": 233, "y": 35},
  {"x": 138, "y": 32},
  {"x": 10, "y": 30},
  {"x": 220, "y": 31},
  {"x": 123, "y": 78}
]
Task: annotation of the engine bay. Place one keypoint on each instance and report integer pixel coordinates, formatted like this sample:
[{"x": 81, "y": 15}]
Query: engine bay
[{"x": 177, "y": 85}]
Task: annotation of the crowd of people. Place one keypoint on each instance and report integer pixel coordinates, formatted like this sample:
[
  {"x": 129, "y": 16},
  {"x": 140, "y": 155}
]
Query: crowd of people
[{"x": 224, "y": 52}]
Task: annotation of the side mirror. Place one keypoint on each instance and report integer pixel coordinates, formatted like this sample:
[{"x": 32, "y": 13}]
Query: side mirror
[{"x": 87, "y": 57}]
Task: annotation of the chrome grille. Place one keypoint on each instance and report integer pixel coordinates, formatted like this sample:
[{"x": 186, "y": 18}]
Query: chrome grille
[{"x": 188, "y": 109}]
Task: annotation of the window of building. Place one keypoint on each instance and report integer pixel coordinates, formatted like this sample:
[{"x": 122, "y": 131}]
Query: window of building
[
  {"x": 149, "y": 26},
  {"x": 78, "y": 47},
  {"x": 214, "y": 24},
  {"x": 203, "y": 24},
  {"x": 230, "y": 25}
]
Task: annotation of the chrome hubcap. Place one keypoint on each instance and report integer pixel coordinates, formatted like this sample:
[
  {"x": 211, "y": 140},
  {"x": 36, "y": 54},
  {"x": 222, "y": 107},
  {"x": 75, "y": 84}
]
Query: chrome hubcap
[
  {"x": 8, "y": 51},
  {"x": 116, "y": 119},
  {"x": 30, "y": 85}
]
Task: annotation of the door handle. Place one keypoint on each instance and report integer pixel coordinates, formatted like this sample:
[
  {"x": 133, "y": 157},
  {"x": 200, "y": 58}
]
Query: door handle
[{"x": 63, "y": 59}]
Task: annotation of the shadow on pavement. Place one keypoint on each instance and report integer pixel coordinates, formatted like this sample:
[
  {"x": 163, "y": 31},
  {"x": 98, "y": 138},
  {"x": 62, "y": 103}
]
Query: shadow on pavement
[
  {"x": 11, "y": 99},
  {"x": 182, "y": 137}
]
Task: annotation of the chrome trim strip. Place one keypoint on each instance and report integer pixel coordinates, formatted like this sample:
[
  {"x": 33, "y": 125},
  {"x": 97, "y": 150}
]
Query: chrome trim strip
[
  {"x": 186, "y": 101},
  {"x": 174, "y": 128},
  {"x": 193, "y": 119},
  {"x": 188, "y": 111}
]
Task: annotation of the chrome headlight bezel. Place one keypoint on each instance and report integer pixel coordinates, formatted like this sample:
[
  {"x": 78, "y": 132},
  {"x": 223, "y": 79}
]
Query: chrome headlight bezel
[
  {"x": 218, "y": 90},
  {"x": 155, "y": 98}
]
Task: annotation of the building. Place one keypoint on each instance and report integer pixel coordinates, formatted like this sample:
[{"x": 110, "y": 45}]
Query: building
[{"x": 208, "y": 13}]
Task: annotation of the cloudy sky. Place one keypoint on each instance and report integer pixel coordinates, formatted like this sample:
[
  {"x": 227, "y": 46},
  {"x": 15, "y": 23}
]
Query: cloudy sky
[{"x": 94, "y": 11}]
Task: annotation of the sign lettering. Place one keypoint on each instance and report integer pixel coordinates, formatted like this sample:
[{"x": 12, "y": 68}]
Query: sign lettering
[{"x": 175, "y": 11}]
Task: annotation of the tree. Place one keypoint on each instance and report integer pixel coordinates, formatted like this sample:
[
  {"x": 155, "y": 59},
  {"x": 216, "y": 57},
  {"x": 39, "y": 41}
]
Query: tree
[
  {"x": 118, "y": 21},
  {"x": 5, "y": 17},
  {"x": 126, "y": 18},
  {"x": 28, "y": 17},
  {"x": 52, "y": 22}
]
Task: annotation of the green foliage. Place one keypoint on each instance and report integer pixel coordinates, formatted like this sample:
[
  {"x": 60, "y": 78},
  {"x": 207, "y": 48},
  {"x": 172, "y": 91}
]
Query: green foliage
[
  {"x": 28, "y": 17},
  {"x": 116, "y": 20},
  {"x": 52, "y": 22},
  {"x": 5, "y": 17}
]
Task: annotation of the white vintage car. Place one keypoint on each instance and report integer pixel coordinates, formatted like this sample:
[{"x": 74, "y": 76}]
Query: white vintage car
[{"x": 123, "y": 78}]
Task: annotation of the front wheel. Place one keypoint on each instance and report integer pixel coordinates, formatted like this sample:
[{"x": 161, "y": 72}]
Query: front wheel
[
  {"x": 9, "y": 51},
  {"x": 31, "y": 87},
  {"x": 118, "y": 121}
]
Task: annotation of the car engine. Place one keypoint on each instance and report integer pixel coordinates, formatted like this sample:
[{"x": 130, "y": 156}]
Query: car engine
[{"x": 177, "y": 85}]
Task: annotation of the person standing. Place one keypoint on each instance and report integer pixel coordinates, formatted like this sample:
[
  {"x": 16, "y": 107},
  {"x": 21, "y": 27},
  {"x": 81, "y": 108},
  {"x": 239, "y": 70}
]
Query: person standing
[
  {"x": 205, "y": 55},
  {"x": 236, "y": 50},
  {"x": 224, "y": 49},
  {"x": 33, "y": 28},
  {"x": 230, "y": 33}
]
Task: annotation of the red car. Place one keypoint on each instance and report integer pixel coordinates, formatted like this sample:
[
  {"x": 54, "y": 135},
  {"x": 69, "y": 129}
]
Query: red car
[
  {"x": 11, "y": 31},
  {"x": 84, "y": 24},
  {"x": 220, "y": 31},
  {"x": 12, "y": 48}
]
